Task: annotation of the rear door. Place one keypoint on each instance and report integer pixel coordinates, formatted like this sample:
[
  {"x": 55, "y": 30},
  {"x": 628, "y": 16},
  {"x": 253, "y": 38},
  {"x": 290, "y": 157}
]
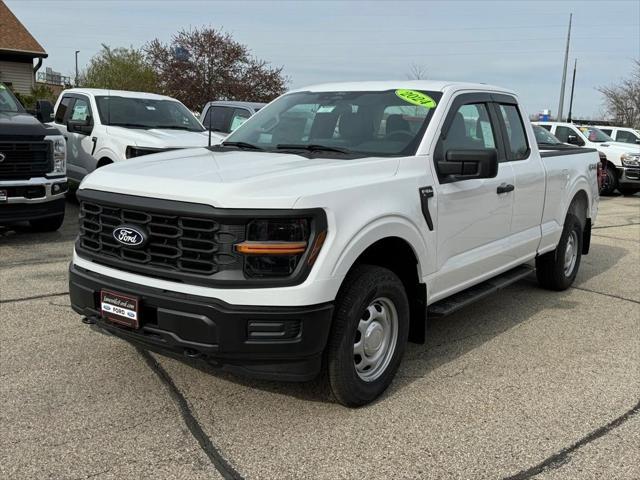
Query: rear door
[
  {"x": 473, "y": 218},
  {"x": 529, "y": 176}
]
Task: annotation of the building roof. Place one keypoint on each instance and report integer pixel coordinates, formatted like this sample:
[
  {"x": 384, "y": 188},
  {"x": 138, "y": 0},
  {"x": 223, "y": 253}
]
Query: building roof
[{"x": 15, "y": 38}]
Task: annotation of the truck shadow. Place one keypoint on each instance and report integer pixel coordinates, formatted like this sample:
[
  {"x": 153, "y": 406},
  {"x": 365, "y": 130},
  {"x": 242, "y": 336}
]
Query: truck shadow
[{"x": 452, "y": 337}]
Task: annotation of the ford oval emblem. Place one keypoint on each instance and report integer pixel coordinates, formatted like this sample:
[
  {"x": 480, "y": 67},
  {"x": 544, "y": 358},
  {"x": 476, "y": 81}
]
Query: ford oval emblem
[{"x": 130, "y": 236}]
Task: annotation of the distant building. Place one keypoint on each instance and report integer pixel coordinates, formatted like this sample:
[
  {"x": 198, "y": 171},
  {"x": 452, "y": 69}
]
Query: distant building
[{"x": 18, "y": 50}]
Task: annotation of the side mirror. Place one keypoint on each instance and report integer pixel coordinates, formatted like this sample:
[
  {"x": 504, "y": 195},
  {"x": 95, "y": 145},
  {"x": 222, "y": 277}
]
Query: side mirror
[
  {"x": 85, "y": 127},
  {"x": 638, "y": 140},
  {"x": 574, "y": 140},
  {"x": 44, "y": 111},
  {"x": 467, "y": 164}
]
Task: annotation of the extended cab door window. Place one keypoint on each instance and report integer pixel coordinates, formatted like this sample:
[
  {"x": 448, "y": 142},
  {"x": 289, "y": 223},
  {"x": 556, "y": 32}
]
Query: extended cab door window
[
  {"x": 626, "y": 137},
  {"x": 516, "y": 144}
]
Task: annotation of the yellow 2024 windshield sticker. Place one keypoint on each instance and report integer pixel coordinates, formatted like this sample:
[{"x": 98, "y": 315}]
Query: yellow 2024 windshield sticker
[{"x": 416, "y": 98}]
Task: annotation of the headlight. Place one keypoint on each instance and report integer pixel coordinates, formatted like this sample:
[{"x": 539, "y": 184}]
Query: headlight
[
  {"x": 132, "y": 152},
  {"x": 59, "y": 154},
  {"x": 630, "y": 159},
  {"x": 277, "y": 247}
]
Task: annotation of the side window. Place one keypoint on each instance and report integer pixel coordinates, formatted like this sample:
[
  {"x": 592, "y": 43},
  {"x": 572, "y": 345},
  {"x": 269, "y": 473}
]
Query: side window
[
  {"x": 62, "y": 109},
  {"x": 517, "y": 145},
  {"x": 218, "y": 118},
  {"x": 80, "y": 110},
  {"x": 471, "y": 129},
  {"x": 562, "y": 134},
  {"x": 240, "y": 115},
  {"x": 546, "y": 127},
  {"x": 608, "y": 131},
  {"x": 626, "y": 137}
]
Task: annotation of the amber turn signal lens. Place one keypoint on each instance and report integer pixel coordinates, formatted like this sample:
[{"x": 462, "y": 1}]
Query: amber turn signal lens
[{"x": 271, "y": 248}]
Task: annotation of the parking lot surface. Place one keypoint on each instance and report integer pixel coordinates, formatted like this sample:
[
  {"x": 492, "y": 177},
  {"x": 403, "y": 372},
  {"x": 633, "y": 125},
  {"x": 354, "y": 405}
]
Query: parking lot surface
[{"x": 525, "y": 384}]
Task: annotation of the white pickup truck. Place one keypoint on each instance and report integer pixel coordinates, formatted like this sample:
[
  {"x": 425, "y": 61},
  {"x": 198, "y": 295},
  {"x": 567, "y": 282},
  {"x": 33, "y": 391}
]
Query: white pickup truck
[
  {"x": 327, "y": 228},
  {"x": 106, "y": 126},
  {"x": 622, "y": 162}
]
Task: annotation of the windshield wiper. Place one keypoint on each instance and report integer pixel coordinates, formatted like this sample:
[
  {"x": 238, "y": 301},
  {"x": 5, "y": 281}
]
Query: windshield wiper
[
  {"x": 176, "y": 127},
  {"x": 243, "y": 145},
  {"x": 312, "y": 148},
  {"x": 130, "y": 125}
]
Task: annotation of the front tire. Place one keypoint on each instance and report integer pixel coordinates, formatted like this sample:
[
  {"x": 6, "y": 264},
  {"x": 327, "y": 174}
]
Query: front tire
[
  {"x": 610, "y": 180},
  {"x": 557, "y": 270},
  {"x": 48, "y": 224},
  {"x": 368, "y": 335}
]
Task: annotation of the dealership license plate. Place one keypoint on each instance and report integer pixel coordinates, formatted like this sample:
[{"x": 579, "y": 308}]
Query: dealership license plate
[
  {"x": 120, "y": 308},
  {"x": 3, "y": 195}
]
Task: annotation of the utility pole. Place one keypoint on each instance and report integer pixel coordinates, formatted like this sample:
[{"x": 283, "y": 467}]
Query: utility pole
[
  {"x": 573, "y": 84},
  {"x": 564, "y": 71},
  {"x": 76, "y": 82}
]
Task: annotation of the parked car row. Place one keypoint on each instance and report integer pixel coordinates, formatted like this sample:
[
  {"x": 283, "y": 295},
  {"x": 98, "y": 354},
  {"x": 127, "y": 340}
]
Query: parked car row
[{"x": 622, "y": 160}]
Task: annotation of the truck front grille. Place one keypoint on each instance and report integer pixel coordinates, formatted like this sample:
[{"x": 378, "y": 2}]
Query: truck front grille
[
  {"x": 176, "y": 243},
  {"x": 24, "y": 160}
]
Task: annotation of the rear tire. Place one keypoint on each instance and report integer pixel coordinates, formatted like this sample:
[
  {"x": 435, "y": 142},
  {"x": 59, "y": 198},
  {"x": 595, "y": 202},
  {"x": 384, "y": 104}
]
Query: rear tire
[
  {"x": 557, "y": 270},
  {"x": 49, "y": 224},
  {"x": 368, "y": 335},
  {"x": 610, "y": 180},
  {"x": 628, "y": 191}
]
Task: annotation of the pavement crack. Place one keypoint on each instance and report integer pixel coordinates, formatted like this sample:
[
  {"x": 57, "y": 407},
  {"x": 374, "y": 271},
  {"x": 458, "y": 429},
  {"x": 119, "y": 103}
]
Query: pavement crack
[
  {"x": 614, "y": 226},
  {"x": 559, "y": 459},
  {"x": 219, "y": 462},
  {"x": 607, "y": 295},
  {"x": 34, "y": 297}
]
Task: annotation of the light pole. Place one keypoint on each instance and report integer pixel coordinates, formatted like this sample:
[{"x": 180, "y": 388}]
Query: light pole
[{"x": 76, "y": 82}]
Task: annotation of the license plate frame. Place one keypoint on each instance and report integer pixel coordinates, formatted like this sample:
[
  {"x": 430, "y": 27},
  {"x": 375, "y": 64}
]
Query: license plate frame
[{"x": 120, "y": 308}]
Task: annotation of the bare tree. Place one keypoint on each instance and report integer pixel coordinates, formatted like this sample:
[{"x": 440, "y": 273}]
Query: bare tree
[
  {"x": 417, "y": 72},
  {"x": 206, "y": 64},
  {"x": 622, "y": 101}
]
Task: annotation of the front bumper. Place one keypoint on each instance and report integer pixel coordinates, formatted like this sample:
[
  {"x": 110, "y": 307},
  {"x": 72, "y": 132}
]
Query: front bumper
[
  {"x": 278, "y": 343},
  {"x": 629, "y": 176},
  {"x": 32, "y": 199}
]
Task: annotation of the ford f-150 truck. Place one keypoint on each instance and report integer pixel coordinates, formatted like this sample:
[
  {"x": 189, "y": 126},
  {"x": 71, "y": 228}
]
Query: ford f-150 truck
[
  {"x": 324, "y": 231},
  {"x": 32, "y": 168}
]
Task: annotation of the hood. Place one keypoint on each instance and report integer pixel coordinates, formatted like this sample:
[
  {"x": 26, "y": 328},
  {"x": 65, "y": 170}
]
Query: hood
[
  {"x": 236, "y": 179},
  {"x": 160, "y": 138},
  {"x": 23, "y": 124},
  {"x": 619, "y": 147}
]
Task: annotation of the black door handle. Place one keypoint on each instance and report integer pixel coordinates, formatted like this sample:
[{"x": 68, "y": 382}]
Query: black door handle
[{"x": 505, "y": 188}]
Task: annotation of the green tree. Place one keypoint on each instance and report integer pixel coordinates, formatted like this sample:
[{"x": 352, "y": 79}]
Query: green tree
[
  {"x": 200, "y": 65},
  {"x": 119, "y": 69}
]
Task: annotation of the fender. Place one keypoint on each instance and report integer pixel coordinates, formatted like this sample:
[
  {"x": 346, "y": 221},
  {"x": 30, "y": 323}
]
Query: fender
[{"x": 378, "y": 229}]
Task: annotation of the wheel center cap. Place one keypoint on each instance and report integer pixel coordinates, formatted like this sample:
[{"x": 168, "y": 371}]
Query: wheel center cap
[{"x": 373, "y": 338}]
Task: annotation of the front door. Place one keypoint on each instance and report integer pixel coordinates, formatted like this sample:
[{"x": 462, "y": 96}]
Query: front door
[
  {"x": 80, "y": 145},
  {"x": 473, "y": 215}
]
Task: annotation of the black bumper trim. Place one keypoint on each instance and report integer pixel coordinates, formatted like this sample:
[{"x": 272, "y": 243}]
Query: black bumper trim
[
  {"x": 19, "y": 212},
  {"x": 181, "y": 325}
]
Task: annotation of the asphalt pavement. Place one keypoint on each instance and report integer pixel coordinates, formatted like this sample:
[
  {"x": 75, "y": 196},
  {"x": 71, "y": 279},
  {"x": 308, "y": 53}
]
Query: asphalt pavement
[{"x": 524, "y": 384}]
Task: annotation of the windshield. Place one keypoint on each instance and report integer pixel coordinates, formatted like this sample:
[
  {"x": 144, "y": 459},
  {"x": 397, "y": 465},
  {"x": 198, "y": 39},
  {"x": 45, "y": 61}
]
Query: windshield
[
  {"x": 382, "y": 123},
  {"x": 544, "y": 137},
  {"x": 595, "y": 134},
  {"x": 146, "y": 113},
  {"x": 8, "y": 103}
]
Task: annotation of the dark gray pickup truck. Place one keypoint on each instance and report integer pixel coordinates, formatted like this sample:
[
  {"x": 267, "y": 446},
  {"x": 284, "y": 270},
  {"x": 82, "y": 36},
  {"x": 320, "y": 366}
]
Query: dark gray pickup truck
[{"x": 33, "y": 166}]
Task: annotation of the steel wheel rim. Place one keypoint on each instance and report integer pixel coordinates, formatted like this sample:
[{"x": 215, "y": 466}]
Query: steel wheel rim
[
  {"x": 375, "y": 339},
  {"x": 571, "y": 253}
]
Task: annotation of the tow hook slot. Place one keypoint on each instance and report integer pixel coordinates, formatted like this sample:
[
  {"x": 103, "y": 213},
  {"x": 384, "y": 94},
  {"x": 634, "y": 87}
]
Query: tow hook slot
[{"x": 425, "y": 194}]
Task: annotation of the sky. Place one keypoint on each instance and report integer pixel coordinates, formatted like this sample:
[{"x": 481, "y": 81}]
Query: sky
[{"x": 515, "y": 44}]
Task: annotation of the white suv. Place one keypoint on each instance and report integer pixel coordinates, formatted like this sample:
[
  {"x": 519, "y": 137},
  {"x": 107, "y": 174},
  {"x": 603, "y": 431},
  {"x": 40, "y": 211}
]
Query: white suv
[
  {"x": 622, "y": 165},
  {"x": 105, "y": 126}
]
